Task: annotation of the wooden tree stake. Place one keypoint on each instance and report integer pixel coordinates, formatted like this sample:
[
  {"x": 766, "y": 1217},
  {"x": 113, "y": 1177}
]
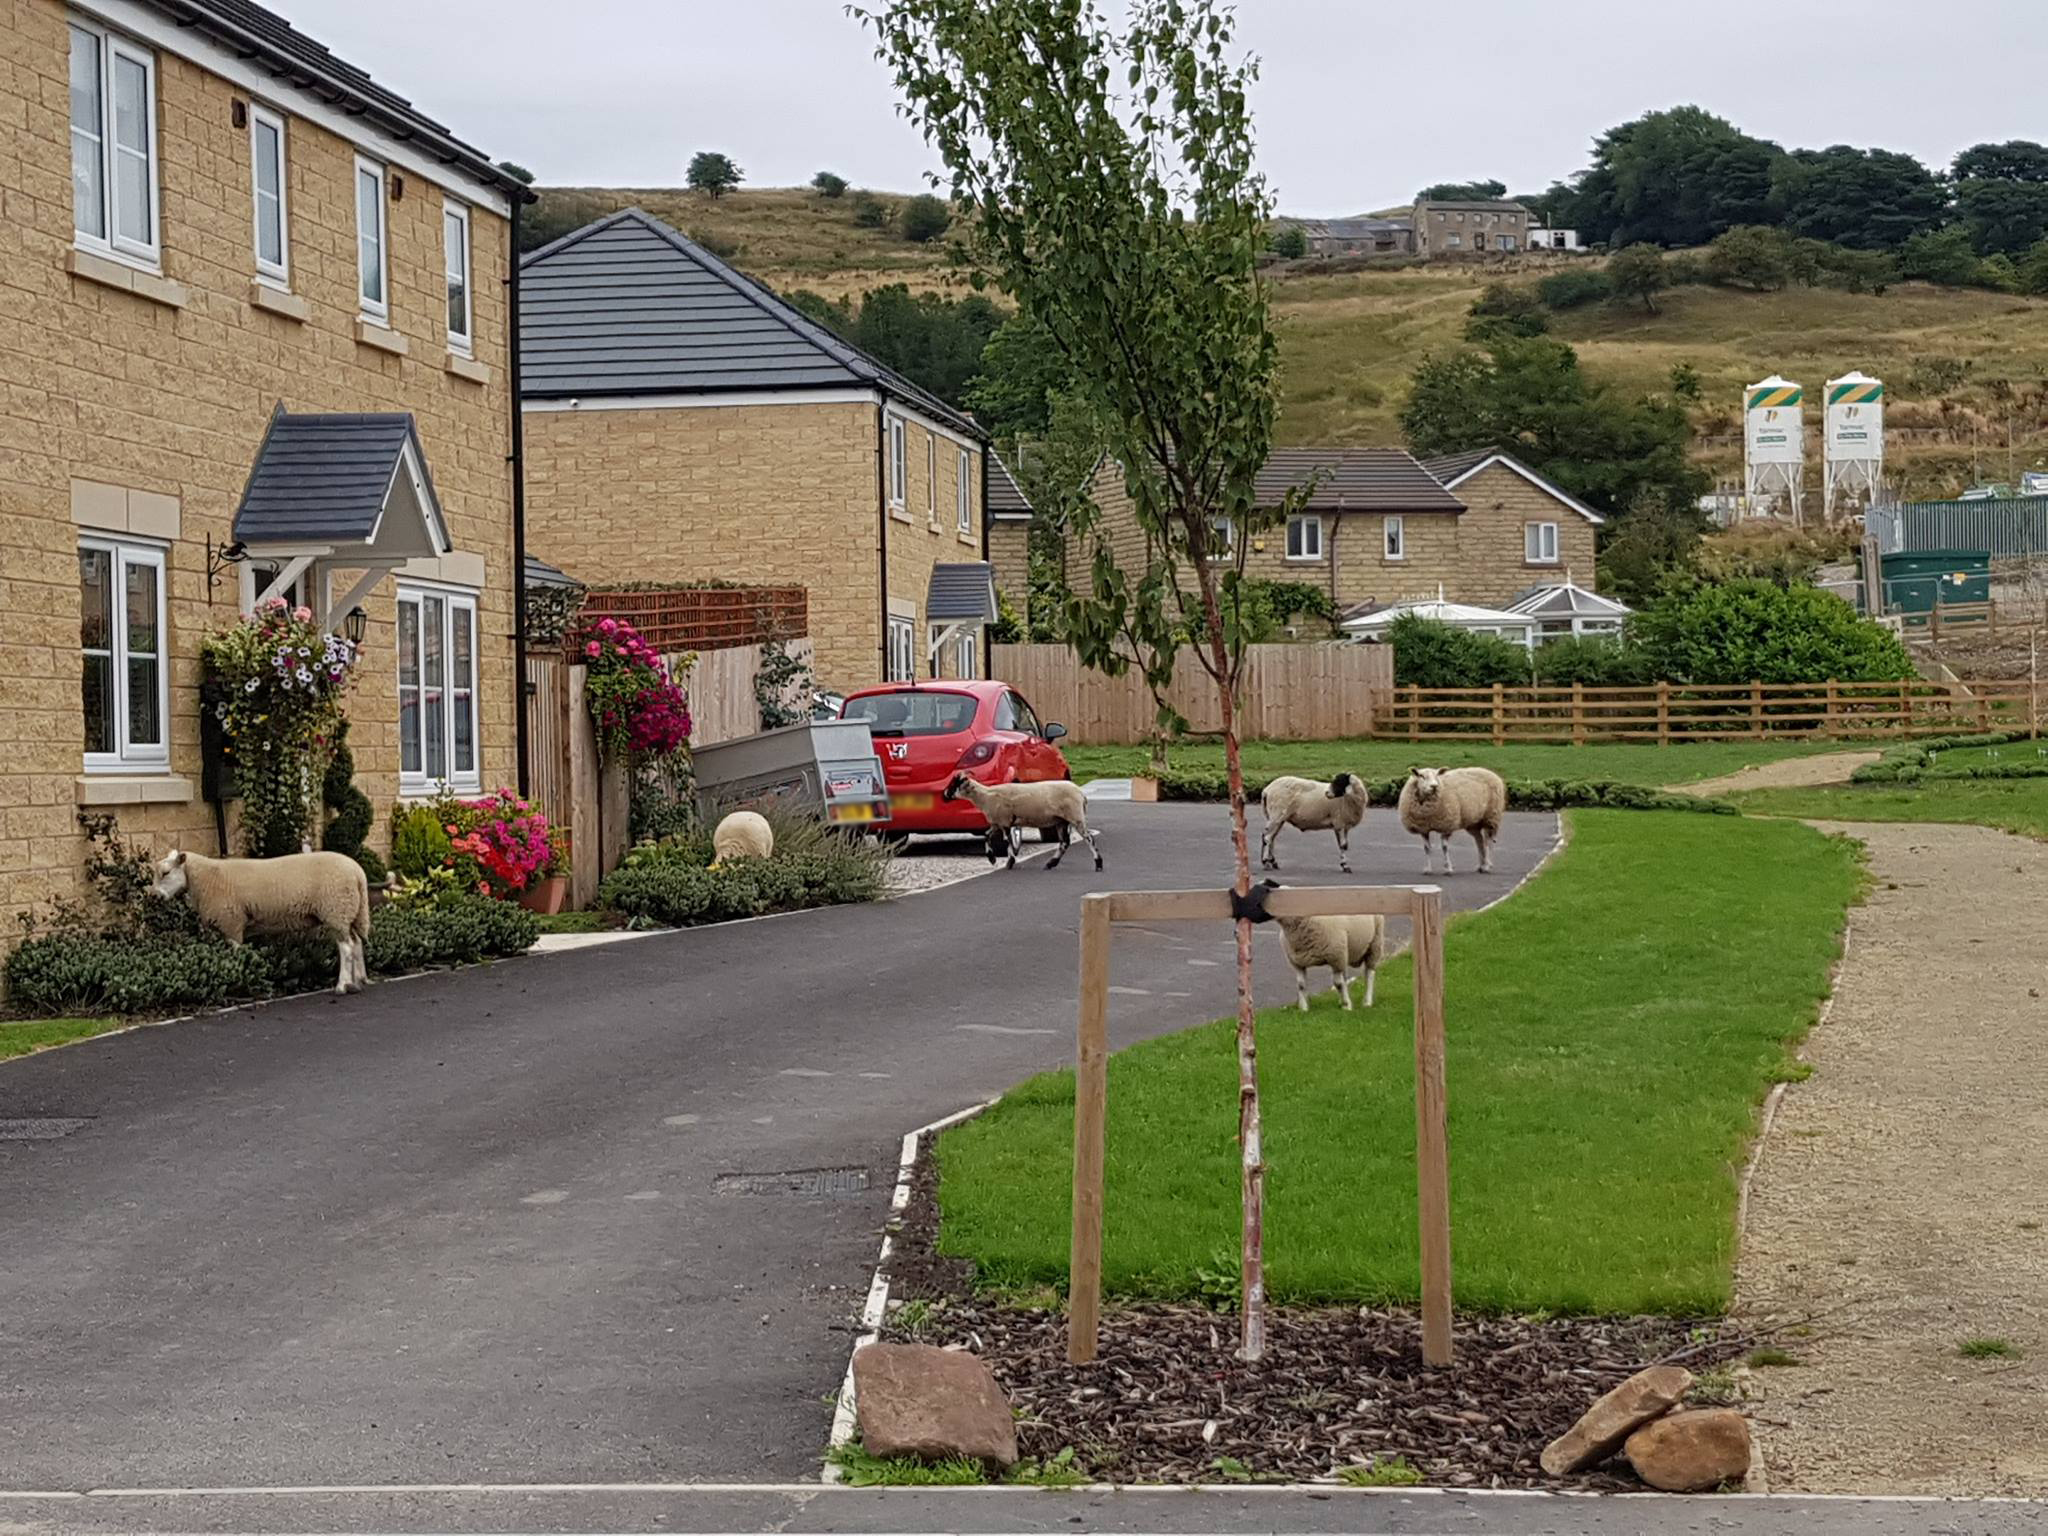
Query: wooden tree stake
[
  {"x": 1091, "y": 1103},
  {"x": 1432, "y": 1135}
]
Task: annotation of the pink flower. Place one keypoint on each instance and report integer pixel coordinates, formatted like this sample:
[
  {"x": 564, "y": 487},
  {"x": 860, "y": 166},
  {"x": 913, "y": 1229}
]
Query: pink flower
[
  {"x": 593, "y": 649},
  {"x": 303, "y": 614},
  {"x": 607, "y": 626}
]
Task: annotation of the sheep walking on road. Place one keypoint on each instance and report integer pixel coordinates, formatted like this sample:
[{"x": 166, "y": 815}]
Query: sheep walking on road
[
  {"x": 1440, "y": 801},
  {"x": 1313, "y": 806},
  {"x": 299, "y": 893},
  {"x": 1053, "y": 805},
  {"x": 1342, "y": 944}
]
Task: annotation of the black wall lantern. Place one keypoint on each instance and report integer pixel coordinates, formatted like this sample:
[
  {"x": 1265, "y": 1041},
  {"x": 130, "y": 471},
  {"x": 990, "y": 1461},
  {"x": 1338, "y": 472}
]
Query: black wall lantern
[{"x": 356, "y": 625}]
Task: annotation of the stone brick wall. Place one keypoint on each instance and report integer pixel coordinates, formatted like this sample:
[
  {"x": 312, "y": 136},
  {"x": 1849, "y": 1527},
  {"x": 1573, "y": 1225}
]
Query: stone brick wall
[
  {"x": 1009, "y": 553},
  {"x": 1499, "y": 504},
  {"x": 161, "y": 387},
  {"x": 920, "y": 538}
]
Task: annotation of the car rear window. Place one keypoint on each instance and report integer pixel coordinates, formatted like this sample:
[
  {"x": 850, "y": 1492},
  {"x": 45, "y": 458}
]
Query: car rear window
[{"x": 926, "y": 712}]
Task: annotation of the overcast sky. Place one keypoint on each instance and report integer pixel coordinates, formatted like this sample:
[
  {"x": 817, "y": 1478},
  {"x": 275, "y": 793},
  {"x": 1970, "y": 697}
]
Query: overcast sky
[{"x": 1361, "y": 101}]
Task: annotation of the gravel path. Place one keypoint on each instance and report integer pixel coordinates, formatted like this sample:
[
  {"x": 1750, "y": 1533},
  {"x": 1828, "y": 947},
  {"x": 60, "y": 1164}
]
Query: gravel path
[
  {"x": 1901, "y": 1192},
  {"x": 928, "y": 862},
  {"x": 1790, "y": 773}
]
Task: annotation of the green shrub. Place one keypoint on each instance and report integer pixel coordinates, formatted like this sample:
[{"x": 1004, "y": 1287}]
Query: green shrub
[
  {"x": 1573, "y": 287},
  {"x": 669, "y": 883},
  {"x": 869, "y": 211},
  {"x": 350, "y": 810},
  {"x": 829, "y": 185},
  {"x": 923, "y": 218},
  {"x": 419, "y": 841},
  {"x": 1753, "y": 631},
  {"x": 1429, "y": 653},
  {"x": 1506, "y": 308},
  {"x": 373, "y": 865},
  {"x": 457, "y": 930},
  {"x": 1687, "y": 269},
  {"x": 1595, "y": 660},
  {"x": 1288, "y": 241},
  {"x": 1207, "y": 784},
  {"x": 1943, "y": 256},
  {"x": 1751, "y": 256}
]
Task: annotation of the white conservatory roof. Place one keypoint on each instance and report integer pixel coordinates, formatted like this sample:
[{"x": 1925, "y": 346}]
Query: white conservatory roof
[
  {"x": 1464, "y": 615},
  {"x": 1566, "y": 600}
]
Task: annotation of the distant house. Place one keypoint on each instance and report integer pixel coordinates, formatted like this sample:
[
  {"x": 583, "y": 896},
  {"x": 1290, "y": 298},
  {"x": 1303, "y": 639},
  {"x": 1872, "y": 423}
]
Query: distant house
[
  {"x": 1344, "y": 237},
  {"x": 1009, "y": 533},
  {"x": 1519, "y": 527},
  {"x": 1462, "y": 228},
  {"x": 1544, "y": 238},
  {"x": 683, "y": 423}
]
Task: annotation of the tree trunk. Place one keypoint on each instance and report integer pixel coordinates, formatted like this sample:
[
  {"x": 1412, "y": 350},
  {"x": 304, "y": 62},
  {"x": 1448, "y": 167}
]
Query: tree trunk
[{"x": 1252, "y": 1258}]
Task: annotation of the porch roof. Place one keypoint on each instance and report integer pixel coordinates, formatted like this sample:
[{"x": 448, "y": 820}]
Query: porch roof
[
  {"x": 961, "y": 593},
  {"x": 331, "y": 479}
]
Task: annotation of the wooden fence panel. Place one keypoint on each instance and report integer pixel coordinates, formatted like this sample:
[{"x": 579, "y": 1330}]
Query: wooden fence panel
[
  {"x": 1317, "y": 692},
  {"x": 547, "y": 742}
]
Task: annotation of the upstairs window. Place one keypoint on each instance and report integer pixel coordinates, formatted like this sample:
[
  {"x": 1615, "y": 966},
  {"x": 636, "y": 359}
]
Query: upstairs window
[
  {"x": 1539, "y": 543},
  {"x": 966, "y": 493},
  {"x": 121, "y": 641},
  {"x": 113, "y": 144},
  {"x": 455, "y": 250},
  {"x": 1396, "y": 535},
  {"x": 899, "y": 463},
  {"x": 1305, "y": 537},
  {"x": 371, "y": 259},
  {"x": 931, "y": 478},
  {"x": 266, "y": 154}
]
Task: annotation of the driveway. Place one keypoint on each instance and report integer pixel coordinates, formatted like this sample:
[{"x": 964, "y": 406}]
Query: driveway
[{"x": 481, "y": 1227}]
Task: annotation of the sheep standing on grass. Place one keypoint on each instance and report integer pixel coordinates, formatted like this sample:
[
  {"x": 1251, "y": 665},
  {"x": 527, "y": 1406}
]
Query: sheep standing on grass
[
  {"x": 1441, "y": 801},
  {"x": 1054, "y": 804},
  {"x": 742, "y": 835},
  {"x": 1313, "y": 806},
  {"x": 298, "y": 893},
  {"x": 1343, "y": 944}
]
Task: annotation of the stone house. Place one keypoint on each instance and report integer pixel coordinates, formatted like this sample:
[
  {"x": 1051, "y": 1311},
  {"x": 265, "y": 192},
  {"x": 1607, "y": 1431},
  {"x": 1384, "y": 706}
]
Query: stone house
[
  {"x": 1363, "y": 236},
  {"x": 684, "y": 424},
  {"x": 1380, "y": 525},
  {"x": 1469, "y": 228},
  {"x": 255, "y": 340},
  {"x": 1009, "y": 534}
]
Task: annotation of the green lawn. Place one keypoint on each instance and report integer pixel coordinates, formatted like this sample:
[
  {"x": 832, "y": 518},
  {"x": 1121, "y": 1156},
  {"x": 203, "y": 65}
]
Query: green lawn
[
  {"x": 1626, "y": 763},
  {"x": 20, "y": 1036},
  {"x": 2016, "y": 805},
  {"x": 1611, "y": 1032}
]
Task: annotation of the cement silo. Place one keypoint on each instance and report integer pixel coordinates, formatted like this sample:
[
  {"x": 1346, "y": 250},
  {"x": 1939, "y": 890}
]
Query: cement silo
[
  {"x": 1852, "y": 444},
  {"x": 1773, "y": 444}
]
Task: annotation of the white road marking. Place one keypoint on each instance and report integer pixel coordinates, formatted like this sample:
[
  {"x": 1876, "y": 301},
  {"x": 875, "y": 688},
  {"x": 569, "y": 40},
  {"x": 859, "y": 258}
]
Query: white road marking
[
  {"x": 682, "y": 1119},
  {"x": 645, "y": 1194},
  {"x": 1130, "y": 991},
  {"x": 545, "y": 1197},
  {"x": 1002, "y": 1029},
  {"x": 764, "y": 1119},
  {"x": 1205, "y": 962},
  {"x": 878, "y": 1074},
  {"x": 802, "y": 1072}
]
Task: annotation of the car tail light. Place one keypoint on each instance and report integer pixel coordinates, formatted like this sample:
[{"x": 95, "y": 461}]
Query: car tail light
[{"x": 981, "y": 752}]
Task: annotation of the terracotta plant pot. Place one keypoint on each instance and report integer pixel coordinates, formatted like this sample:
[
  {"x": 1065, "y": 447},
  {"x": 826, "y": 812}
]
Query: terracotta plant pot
[
  {"x": 546, "y": 896},
  {"x": 1144, "y": 787}
]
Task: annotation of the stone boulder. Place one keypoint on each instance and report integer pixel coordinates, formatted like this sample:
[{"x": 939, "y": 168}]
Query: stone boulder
[
  {"x": 915, "y": 1400},
  {"x": 1604, "y": 1426},
  {"x": 1691, "y": 1452}
]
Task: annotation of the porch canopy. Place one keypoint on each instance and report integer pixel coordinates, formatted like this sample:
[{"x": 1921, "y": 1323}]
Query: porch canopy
[
  {"x": 1563, "y": 608},
  {"x": 331, "y": 493},
  {"x": 1373, "y": 623},
  {"x": 962, "y": 597}
]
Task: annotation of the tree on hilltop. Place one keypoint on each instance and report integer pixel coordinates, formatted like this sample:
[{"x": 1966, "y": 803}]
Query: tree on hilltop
[{"x": 712, "y": 172}]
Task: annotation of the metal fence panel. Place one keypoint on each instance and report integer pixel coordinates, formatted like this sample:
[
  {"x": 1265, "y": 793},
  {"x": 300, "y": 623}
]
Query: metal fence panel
[{"x": 2018, "y": 526}]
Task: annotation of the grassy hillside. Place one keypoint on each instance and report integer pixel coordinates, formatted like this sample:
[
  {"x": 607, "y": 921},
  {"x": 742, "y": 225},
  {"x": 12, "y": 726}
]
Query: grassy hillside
[{"x": 1959, "y": 363}]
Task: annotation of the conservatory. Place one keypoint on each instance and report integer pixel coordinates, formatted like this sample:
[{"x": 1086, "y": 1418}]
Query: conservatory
[
  {"x": 1564, "y": 609},
  {"x": 1373, "y": 623}
]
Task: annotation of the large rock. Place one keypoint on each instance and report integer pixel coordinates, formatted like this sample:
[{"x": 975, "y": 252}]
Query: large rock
[
  {"x": 1602, "y": 1428},
  {"x": 914, "y": 1400},
  {"x": 1692, "y": 1452}
]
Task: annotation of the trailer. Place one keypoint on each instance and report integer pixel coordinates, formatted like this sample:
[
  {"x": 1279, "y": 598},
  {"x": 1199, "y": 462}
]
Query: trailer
[{"x": 823, "y": 768}]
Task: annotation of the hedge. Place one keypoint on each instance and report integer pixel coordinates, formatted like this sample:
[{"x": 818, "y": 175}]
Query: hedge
[
  {"x": 1912, "y": 761},
  {"x": 85, "y": 973},
  {"x": 679, "y": 892},
  {"x": 1523, "y": 794}
]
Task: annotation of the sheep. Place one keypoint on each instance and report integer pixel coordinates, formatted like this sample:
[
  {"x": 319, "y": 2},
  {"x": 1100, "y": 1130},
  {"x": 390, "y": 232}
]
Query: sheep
[
  {"x": 297, "y": 893},
  {"x": 1314, "y": 807},
  {"x": 1344, "y": 944},
  {"x": 1054, "y": 804},
  {"x": 1447, "y": 800},
  {"x": 742, "y": 835}
]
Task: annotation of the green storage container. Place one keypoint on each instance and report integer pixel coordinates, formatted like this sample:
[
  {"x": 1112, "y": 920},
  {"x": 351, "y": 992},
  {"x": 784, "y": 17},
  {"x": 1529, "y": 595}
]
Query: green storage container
[{"x": 1915, "y": 580}]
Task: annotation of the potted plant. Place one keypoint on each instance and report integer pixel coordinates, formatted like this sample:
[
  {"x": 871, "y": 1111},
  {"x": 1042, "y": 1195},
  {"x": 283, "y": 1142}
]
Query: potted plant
[{"x": 549, "y": 891}]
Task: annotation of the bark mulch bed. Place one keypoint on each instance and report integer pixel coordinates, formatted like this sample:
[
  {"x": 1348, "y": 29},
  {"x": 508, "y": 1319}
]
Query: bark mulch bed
[{"x": 1166, "y": 1401}]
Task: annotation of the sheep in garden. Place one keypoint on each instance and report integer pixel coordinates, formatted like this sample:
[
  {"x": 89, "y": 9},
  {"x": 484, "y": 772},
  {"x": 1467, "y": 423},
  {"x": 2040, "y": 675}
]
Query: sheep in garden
[
  {"x": 1343, "y": 944},
  {"x": 298, "y": 893},
  {"x": 1054, "y": 805},
  {"x": 1441, "y": 801},
  {"x": 1313, "y": 806},
  {"x": 742, "y": 835}
]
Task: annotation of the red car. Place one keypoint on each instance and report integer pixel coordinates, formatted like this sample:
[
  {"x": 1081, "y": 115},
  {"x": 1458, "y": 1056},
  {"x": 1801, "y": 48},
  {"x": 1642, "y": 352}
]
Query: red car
[{"x": 926, "y": 732}]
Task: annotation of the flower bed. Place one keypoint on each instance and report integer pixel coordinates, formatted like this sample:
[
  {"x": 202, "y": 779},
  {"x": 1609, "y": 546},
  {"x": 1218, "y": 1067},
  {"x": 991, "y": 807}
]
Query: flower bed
[{"x": 671, "y": 882}]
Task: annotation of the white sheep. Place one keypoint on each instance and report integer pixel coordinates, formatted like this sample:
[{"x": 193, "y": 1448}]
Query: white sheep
[
  {"x": 298, "y": 893},
  {"x": 1441, "y": 801},
  {"x": 1053, "y": 804},
  {"x": 1343, "y": 944},
  {"x": 742, "y": 835},
  {"x": 1313, "y": 806}
]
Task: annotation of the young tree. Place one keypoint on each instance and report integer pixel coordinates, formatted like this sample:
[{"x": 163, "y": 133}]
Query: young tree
[
  {"x": 1638, "y": 272},
  {"x": 1108, "y": 183},
  {"x": 1751, "y": 256},
  {"x": 828, "y": 184},
  {"x": 712, "y": 172}
]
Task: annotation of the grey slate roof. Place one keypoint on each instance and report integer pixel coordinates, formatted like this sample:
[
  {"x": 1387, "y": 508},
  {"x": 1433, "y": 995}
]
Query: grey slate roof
[
  {"x": 629, "y": 306},
  {"x": 966, "y": 590},
  {"x": 1454, "y": 466},
  {"x": 1006, "y": 497},
  {"x": 1355, "y": 480},
  {"x": 324, "y": 479},
  {"x": 540, "y": 574},
  {"x": 269, "y": 42}
]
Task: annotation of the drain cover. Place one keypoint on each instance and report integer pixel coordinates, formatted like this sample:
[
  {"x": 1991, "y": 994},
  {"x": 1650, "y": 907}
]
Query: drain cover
[
  {"x": 47, "y": 1129},
  {"x": 812, "y": 1183}
]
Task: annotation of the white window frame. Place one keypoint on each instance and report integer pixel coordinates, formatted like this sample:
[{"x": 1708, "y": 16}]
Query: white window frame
[
  {"x": 420, "y": 782},
  {"x": 931, "y": 478},
  {"x": 902, "y": 637},
  {"x": 1306, "y": 522},
  {"x": 455, "y": 212},
  {"x": 1394, "y": 538},
  {"x": 1225, "y": 525},
  {"x": 1534, "y": 537},
  {"x": 377, "y": 310},
  {"x": 966, "y": 492},
  {"x": 967, "y": 653},
  {"x": 899, "y": 463},
  {"x": 146, "y": 253},
  {"x": 129, "y": 756},
  {"x": 276, "y": 273}
]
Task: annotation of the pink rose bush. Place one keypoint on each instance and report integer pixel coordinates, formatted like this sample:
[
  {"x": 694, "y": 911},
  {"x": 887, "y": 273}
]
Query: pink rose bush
[
  {"x": 505, "y": 838},
  {"x": 638, "y": 708}
]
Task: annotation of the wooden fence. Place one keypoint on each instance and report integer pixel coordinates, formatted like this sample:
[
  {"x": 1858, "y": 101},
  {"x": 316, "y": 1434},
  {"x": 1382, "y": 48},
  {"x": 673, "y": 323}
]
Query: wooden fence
[
  {"x": 1291, "y": 692},
  {"x": 1667, "y": 712}
]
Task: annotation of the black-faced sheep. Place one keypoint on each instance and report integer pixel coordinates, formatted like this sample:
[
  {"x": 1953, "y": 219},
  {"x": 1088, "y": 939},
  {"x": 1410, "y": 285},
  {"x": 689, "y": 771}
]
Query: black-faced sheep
[
  {"x": 1343, "y": 944},
  {"x": 742, "y": 835},
  {"x": 1054, "y": 804},
  {"x": 1440, "y": 801},
  {"x": 298, "y": 893},
  {"x": 1313, "y": 806}
]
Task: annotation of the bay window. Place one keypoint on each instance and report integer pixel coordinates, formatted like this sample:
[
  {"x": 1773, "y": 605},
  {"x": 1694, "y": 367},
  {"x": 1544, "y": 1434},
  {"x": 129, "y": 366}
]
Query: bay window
[
  {"x": 113, "y": 144},
  {"x": 437, "y": 705},
  {"x": 125, "y": 689}
]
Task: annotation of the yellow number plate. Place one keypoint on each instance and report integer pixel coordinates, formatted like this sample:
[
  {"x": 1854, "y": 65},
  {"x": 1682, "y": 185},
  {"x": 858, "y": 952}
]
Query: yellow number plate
[
  {"x": 911, "y": 802},
  {"x": 853, "y": 813}
]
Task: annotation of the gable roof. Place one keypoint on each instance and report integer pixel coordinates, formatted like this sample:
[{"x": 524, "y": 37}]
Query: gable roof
[
  {"x": 287, "y": 54},
  {"x": 541, "y": 574},
  {"x": 961, "y": 591},
  {"x": 327, "y": 479},
  {"x": 1354, "y": 480},
  {"x": 1453, "y": 469},
  {"x": 629, "y": 306},
  {"x": 1006, "y": 497}
]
